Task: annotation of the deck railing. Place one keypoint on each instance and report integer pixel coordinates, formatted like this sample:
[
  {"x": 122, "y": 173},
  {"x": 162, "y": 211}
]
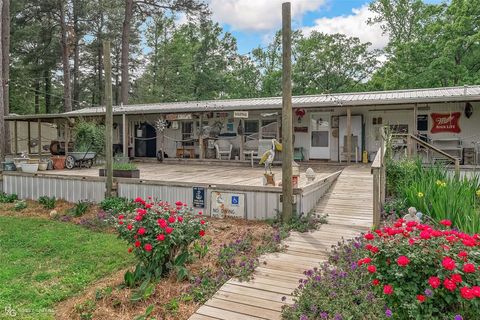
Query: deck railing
[{"x": 378, "y": 170}]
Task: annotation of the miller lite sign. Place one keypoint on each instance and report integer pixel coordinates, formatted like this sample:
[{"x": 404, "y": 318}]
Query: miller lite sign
[{"x": 445, "y": 122}]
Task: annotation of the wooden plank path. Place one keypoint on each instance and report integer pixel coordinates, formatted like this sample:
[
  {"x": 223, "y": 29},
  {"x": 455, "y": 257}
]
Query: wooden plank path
[{"x": 349, "y": 205}]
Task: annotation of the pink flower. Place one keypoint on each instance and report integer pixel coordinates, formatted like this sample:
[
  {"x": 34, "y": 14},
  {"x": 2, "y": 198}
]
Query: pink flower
[
  {"x": 434, "y": 282},
  {"x": 446, "y": 223},
  {"x": 448, "y": 263},
  {"x": 468, "y": 268},
  {"x": 387, "y": 289},
  {"x": 403, "y": 261}
]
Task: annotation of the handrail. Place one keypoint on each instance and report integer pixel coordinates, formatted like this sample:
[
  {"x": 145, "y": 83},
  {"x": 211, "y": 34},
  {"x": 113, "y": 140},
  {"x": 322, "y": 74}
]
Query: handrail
[
  {"x": 429, "y": 146},
  {"x": 378, "y": 170}
]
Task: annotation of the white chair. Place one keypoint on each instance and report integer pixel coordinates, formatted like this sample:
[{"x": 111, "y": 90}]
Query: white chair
[
  {"x": 250, "y": 149},
  {"x": 224, "y": 149}
]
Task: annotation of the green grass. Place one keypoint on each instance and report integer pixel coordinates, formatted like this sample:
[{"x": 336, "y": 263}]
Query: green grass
[{"x": 43, "y": 262}]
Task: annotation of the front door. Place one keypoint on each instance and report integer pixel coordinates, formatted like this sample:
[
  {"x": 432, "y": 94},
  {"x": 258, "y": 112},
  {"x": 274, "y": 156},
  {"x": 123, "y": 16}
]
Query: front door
[{"x": 320, "y": 136}]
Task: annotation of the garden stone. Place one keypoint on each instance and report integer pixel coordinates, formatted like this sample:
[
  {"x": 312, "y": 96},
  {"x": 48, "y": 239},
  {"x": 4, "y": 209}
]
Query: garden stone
[{"x": 412, "y": 215}]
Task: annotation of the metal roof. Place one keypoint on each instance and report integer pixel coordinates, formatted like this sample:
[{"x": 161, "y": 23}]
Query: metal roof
[{"x": 394, "y": 97}]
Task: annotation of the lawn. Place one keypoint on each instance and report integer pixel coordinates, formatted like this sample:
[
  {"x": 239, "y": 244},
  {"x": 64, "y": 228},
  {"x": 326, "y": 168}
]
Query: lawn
[{"x": 43, "y": 262}]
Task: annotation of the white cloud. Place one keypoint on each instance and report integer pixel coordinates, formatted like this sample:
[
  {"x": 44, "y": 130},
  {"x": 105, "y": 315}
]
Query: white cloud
[
  {"x": 258, "y": 15},
  {"x": 353, "y": 25}
]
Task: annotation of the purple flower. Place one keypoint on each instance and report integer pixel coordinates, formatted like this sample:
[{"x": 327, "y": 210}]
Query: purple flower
[
  {"x": 353, "y": 266},
  {"x": 458, "y": 317},
  {"x": 303, "y": 317},
  {"x": 338, "y": 317},
  {"x": 323, "y": 315},
  {"x": 388, "y": 313},
  {"x": 357, "y": 245},
  {"x": 428, "y": 292}
]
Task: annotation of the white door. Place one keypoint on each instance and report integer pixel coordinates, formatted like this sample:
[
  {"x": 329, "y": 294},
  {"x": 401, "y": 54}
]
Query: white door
[{"x": 320, "y": 136}]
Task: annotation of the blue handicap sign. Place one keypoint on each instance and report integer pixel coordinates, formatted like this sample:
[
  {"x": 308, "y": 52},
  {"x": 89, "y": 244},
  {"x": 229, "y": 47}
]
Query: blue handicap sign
[{"x": 235, "y": 200}]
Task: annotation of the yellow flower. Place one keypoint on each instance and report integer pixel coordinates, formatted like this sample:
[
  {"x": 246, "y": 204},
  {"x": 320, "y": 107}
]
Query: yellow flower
[
  {"x": 478, "y": 193},
  {"x": 420, "y": 194},
  {"x": 444, "y": 184},
  {"x": 439, "y": 182}
]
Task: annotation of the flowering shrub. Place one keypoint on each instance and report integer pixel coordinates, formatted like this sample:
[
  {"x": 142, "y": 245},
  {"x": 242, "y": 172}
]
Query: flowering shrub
[
  {"x": 160, "y": 236},
  {"x": 338, "y": 289},
  {"x": 423, "y": 272}
]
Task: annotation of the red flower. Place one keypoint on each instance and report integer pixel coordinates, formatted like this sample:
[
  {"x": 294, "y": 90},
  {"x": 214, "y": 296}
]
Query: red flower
[
  {"x": 162, "y": 223},
  {"x": 468, "y": 268},
  {"x": 148, "y": 247},
  {"x": 448, "y": 263},
  {"x": 403, "y": 261},
  {"x": 120, "y": 222},
  {"x": 467, "y": 293},
  {"x": 411, "y": 224},
  {"x": 130, "y": 250},
  {"x": 371, "y": 268},
  {"x": 138, "y": 218},
  {"x": 364, "y": 261},
  {"x": 421, "y": 298},
  {"x": 129, "y": 227},
  {"x": 168, "y": 230},
  {"x": 180, "y": 218},
  {"x": 120, "y": 217},
  {"x": 202, "y": 222},
  {"x": 468, "y": 242},
  {"x": 200, "y": 212},
  {"x": 141, "y": 231},
  {"x": 148, "y": 206},
  {"x": 463, "y": 255},
  {"x": 434, "y": 282},
  {"x": 161, "y": 237},
  {"x": 376, "y": 282},
  {"x": 456, "y": 278},
  {"x": 137, "y": 244},
  {"x": 425, "y": 235},
  {"x": 476, "y": 291},
  {"x": 369, "y": 236},
  {"x": 387, "y": 289},
  {"x": 446, "y": 222},
  {"x": 201, "y": 233},
  {"x": 171, "y": 219},
  {"x": 141, "y": 211},
  {"x": 139, "y": 200},
  {"x": 179, "y": 203},
  {"x": 449, "y": 285}
]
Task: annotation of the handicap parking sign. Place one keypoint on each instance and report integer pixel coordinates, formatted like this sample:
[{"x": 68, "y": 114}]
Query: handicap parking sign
[{"x": 235, "y": 200}]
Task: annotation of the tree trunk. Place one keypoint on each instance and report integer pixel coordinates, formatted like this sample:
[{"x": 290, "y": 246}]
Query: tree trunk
[
  {"x": 67, "y": 94},
  {"x": 126, "y": 50},
  {"x": 76, "y": 55},
  {"x": 48, "y": 89},
  {"x": 2, "y": 108},
  {"x": 36, "y": 88},
  {"x": 117, "y": 76},
  {"x": 99, "y": 74},
  {"x": 5, "y": 65}
]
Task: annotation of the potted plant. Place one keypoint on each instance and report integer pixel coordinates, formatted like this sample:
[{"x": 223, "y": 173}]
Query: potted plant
[{"x": 122, "y": 170}]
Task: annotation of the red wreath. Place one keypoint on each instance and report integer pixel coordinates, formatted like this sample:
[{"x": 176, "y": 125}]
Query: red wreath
[{"x": 300, "y": 113}]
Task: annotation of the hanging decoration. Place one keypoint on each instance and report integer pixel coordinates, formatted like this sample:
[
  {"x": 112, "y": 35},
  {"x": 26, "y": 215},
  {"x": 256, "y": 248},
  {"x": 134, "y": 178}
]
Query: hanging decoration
[
  {"x": 445, "y": 122},
  {"x": 468, "y": 110},
  {"x": 300, "y": 113},
  {"x": 160, "y": 125}
]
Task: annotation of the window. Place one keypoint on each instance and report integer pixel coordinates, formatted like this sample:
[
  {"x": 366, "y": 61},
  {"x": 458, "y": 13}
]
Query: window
[
  {"x": 422, "y": 122},
  {"x": 187, "y": 133},
  {"x": 251, "y": 127},
  {"x": 399, "y": 128}
]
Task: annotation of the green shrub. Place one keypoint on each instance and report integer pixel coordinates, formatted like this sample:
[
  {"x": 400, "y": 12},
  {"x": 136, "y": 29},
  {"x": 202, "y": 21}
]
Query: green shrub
[
  {"x": 20, "y": 205},
  {"x": 337, "y": 289},
  {"x": 89, "y": 136},
  {"x": 160, "y": 237},
  {"x": 79, "y": 209},
  {"x": 400, "y": 173},
  {"x": 117, "y": 205},
  {"x": 124, "y": 166},
  {"x": 47, "y": 202},
  {"x": 423, "y": 272},
  {"x": 7, "y": 198}
]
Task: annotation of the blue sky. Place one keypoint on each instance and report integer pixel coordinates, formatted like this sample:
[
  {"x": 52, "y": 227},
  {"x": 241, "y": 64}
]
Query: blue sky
[{"x": 253, "y": 22}]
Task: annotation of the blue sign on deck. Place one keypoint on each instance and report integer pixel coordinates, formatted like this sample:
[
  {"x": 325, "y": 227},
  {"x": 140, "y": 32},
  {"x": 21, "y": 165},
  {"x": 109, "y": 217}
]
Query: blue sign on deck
[{"x": 198, "y": 197}]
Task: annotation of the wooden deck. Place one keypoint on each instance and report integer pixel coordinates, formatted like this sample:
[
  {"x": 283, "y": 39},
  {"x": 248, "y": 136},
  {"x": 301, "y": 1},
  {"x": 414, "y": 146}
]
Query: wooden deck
[
  {"x": 204, "y": 174},
  {"x": 349, "y": 207}
]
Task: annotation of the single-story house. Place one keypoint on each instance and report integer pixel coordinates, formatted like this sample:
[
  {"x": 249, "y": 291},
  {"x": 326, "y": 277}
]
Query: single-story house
[{"x": 448, "y": 118}]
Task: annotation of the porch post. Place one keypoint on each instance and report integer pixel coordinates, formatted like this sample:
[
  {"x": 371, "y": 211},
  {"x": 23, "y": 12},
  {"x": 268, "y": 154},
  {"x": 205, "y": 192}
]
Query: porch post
[
  {"x": 39, "y": 137},
  {"x": 28, "y": 138},
  {"x": 200, "y": 138},
  {"x": 67, "y": 135},
  {"x": 242, "y": 141},
  {"x": 15, "y": 128},
  {"x": 125, "y": 135},
  {"x": 415, "y": 112},
  {"x": 349, "y": 135}
]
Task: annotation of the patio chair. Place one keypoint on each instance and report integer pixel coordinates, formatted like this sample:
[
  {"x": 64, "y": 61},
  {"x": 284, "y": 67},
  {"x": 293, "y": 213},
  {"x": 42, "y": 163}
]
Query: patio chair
[
  {"x": 250, "y": 149},
  {"x": 223, "y": 149}
]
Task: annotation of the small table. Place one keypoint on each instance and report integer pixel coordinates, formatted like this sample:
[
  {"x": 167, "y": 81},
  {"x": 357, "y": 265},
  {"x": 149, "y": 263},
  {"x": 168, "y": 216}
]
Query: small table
[{"x": 182, "y": 151}]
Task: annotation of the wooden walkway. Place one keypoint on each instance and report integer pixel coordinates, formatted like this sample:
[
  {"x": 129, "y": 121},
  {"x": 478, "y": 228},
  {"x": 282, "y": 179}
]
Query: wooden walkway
[{"x": 349, "y": 205}]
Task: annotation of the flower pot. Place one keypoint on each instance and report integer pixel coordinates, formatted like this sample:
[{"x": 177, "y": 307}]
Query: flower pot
[
  {"x": 42, "y": 166},
  {"x": 58, "y": 162},
  {"x": 29, "y": 167}
]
